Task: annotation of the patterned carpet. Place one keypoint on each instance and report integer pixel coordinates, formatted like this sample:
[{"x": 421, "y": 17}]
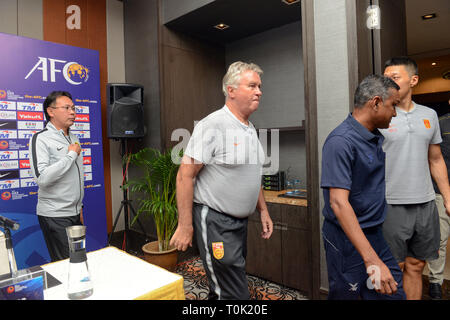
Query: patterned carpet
[{"x": 196, "y": 284}]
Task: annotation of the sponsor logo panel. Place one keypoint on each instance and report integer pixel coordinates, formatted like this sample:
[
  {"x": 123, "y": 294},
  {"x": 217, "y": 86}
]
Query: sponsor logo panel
[
  {"x": 26, "y": 134},
  {"x": 5, "y": 125},
  {"x": 36, "y": 125},
  {"x": 8, "y": 155},
  {"x": 10, "y": 164},
  {"x": 29, "y": 106},
  {"x": 36, "y": 116},
  {"x": 8, "y": 134},
  {"x": 8, "y": 115},
  {"x": 27, "y": 183},
  {"x": 10, "y": 174},
  {"x": 9, "y": 184},
  {"x": 7, "y": 105}
]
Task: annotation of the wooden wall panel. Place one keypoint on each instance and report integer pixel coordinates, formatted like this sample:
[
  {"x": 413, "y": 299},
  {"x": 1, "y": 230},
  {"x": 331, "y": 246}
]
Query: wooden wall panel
[
  {"x": 79, "y": 37},
  {"x": 54, "y": 16},
  {"x": 92, "y": 35},
  {"x": 191, "y": 83}
]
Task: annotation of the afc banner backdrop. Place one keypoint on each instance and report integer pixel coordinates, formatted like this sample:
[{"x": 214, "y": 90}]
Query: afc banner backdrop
[{"x": 29, "y": 70}]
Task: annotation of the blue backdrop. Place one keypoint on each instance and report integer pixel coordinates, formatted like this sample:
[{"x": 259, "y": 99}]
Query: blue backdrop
[{"x": 29, "y": 70}]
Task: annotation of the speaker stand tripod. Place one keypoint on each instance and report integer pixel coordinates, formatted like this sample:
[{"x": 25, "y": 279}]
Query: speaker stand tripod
[{"x": 125, "y": 205}]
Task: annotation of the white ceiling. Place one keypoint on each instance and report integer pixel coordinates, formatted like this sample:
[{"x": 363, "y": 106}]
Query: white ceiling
[{"x": 428, "y": 37}]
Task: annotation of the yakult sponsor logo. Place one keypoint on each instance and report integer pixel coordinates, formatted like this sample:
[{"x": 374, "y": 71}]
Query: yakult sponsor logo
[
  {"x": 8, "y": 155},
  {"x": 30, "y": 125},
  {"x": 82, "y": 109},
  {"x": 9, "y": 184},
  {"x": 24, "y": 164},
  {"x": 87, "y": 160},
  {"x": 8, "y": 134},
  {"x": 7, "y": 105},
  {"x": 82, "y": 118},
  {"x": 29, "y": 106},
  {"x": 22, "y": 134},
  {"x": 8, "y": 115},
  {"x": 30, "y": 116}
]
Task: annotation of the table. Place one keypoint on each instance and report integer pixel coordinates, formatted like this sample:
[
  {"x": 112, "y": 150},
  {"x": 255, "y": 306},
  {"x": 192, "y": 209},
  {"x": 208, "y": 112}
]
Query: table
[{"x": 117, "y": 275}]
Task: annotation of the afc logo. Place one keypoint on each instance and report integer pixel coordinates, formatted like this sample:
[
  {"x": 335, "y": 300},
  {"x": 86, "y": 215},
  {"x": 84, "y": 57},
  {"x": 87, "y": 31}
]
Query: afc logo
[{"x": 73, "y": 72}]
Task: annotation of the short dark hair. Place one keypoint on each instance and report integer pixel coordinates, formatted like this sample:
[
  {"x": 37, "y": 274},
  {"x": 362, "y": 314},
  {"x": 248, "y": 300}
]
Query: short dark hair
[
  {"x": 410, "y": 64},
  {"x": 371, "y": 86},
  {"x": 51, "y": 100}
]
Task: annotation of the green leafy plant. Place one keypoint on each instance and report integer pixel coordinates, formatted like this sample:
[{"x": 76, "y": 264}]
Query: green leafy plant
[{"x": 158, "y": 184}]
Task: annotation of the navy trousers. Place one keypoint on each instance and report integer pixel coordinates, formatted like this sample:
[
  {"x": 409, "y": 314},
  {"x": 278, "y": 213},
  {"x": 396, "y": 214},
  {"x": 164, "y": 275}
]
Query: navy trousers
[{"x": 347, "y": 274}]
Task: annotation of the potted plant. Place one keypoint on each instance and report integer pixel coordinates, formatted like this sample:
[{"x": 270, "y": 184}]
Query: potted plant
[{"x": 158, "y": 187}]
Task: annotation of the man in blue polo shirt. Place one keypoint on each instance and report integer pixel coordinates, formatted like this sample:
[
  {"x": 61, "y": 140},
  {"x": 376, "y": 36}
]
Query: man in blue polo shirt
[{"x": 353, "y": 182}]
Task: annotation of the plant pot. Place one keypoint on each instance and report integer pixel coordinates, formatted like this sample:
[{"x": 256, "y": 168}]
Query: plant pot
[{"x": 164, "y": 259}]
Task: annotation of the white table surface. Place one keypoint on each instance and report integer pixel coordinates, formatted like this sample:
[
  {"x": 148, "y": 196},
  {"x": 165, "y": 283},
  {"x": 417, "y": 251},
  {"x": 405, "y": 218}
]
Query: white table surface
[{"x": 116, "y": 275}]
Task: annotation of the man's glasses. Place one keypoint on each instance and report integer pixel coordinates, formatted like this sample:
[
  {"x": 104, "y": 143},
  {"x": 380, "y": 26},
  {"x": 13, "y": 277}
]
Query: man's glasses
[{"x": 67, "y": 108}]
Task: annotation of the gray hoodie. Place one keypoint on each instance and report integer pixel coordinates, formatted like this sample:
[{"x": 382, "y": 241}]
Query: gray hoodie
[{"x": 58, "y": 173}]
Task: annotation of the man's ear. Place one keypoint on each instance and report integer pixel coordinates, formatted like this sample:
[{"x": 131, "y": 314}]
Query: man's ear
[
  {"x": 376, "y": 101},
  {"x": 50, "y": 112},
  {"x": 230, "y": 90},
  {"x": 414, "y": 81}
]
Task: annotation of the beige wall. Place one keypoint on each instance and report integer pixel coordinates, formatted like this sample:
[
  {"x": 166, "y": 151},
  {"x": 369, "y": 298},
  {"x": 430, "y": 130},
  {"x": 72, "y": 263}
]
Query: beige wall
[
  {"x": 116, "y": 74},
  {"x": 22, "y": 18}
]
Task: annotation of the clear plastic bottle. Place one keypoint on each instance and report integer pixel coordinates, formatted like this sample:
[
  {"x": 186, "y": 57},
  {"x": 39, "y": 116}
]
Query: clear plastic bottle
[{"x": 79, "y": 285}]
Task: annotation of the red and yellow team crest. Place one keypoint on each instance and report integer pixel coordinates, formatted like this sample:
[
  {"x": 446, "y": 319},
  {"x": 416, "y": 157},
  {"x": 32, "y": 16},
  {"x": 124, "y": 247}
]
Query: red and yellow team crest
[
  {"x": 427, "y": 124},
  {"x": 218, "y": 250}
]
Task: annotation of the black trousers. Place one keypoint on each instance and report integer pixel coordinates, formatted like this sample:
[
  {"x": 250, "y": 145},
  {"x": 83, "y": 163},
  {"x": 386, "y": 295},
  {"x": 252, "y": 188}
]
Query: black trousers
[
  {"x": 222, "y": 243},
  {"x": 55, "y": 236}
]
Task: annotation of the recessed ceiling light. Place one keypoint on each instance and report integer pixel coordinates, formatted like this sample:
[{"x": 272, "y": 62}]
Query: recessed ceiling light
[
  {"x": 429, "y": 16},
  {"x": 221, "y": 26},
  {"x": 434, "y": 63},
  {"x": 289, "y": 2}
]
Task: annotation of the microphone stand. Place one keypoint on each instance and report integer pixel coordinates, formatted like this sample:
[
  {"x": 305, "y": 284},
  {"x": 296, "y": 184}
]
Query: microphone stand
[{"x": 10, "y": 250}]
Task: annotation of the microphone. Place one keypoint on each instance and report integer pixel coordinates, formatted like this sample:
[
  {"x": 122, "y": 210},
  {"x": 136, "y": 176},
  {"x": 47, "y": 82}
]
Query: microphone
[{"x": 8, "y": 223}]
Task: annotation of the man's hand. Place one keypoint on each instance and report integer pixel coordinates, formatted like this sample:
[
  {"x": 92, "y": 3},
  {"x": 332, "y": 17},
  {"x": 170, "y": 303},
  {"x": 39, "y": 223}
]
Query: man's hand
[
  {"x": 182, "y": 238},
  {"x": 267, "y": 224},
  {"x": 75, "y": 147},
  {"x": 447, "y": 207},
  {"x": 381, "y": 278}
]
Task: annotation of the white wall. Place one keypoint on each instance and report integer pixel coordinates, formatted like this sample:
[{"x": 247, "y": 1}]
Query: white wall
[
  {"x": 22, "y": 18},
  {"x": 279, "y": 53},
  {"x": 116, "y": 74},
  {"x": 332, "y": 80}
]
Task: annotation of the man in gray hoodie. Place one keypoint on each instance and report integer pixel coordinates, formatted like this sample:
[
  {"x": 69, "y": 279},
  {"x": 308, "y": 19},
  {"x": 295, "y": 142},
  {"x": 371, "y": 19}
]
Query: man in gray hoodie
[{"x": 57, "y": 166}]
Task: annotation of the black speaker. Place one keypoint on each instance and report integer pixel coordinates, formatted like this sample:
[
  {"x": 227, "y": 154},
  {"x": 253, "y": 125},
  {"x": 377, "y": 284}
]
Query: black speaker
[{"x": 125, "y": 110}]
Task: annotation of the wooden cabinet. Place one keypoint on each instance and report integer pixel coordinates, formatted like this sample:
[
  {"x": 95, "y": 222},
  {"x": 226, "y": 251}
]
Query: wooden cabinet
[{"x": 286, "y": 257}]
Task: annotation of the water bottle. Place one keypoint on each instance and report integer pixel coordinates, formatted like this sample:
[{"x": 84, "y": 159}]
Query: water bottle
[{"x": 79, "y": 285}]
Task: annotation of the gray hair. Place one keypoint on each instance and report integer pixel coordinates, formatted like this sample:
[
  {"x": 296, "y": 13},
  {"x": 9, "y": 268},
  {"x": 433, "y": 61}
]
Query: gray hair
[
  {"x": 373, "y": 85},
  {"x": 233, "y": 75}
]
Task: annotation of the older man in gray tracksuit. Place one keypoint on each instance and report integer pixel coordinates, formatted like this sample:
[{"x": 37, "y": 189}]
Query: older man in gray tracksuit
[{"x": 57, "y": 165}]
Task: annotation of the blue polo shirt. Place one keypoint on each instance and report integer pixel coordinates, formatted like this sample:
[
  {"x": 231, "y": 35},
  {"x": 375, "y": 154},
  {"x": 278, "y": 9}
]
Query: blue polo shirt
[{"x": 353, "y": 159}]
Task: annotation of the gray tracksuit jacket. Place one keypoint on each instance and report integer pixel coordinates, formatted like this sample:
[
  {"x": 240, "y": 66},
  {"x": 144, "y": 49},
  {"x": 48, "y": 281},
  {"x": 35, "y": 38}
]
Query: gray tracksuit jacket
[{"x": 58, "y": 173}]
